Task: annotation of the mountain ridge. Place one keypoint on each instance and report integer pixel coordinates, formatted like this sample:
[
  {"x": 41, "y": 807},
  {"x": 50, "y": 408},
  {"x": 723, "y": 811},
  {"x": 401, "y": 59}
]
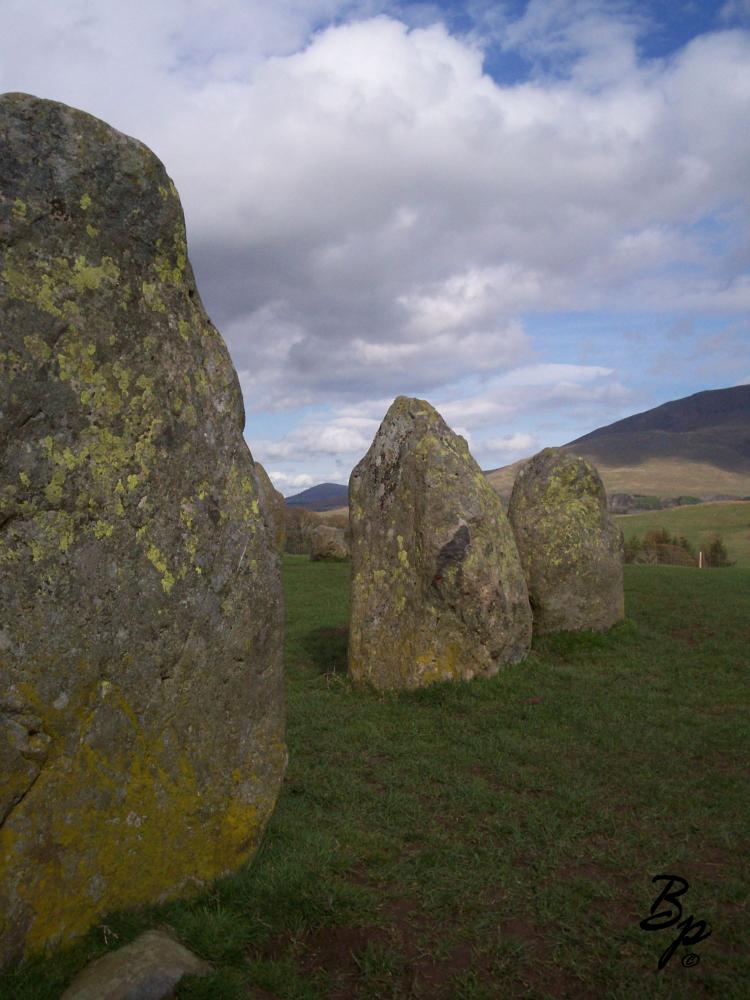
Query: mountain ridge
[
  {"x": 697, "y": 445},
  {"x": 324, "y": 496}
]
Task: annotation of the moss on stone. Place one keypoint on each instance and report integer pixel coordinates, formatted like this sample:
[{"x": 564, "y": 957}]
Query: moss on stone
[
  {"x": 140, "y": 586},
  {"x": 437, "y": 589},
  {"x": 569, "y": 546}
]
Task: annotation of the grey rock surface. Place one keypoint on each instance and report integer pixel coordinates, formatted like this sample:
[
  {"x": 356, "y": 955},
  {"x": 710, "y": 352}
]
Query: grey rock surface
[
  {"x": 437, "y": 592},
  {"x": 147, "y": 969},
  {"x": 569, "y": 545},
  {"x": 141, "y": 689},
  {"x": 328, "y": 544},
  {"x": 273, "y": 507}
]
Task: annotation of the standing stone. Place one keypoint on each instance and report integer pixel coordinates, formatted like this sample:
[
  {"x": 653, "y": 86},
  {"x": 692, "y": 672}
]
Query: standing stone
[
  {"x": 570, "y": 548},
  {"x": 141, "y": 689},
  {"x": 273, "y": 506},
  {"x": 328, "y": 544},
  {"x": 438, "y": 592}
]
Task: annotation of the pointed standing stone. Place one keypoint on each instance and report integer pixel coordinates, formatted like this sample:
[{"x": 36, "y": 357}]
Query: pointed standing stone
[
  {"x": 437, "y": 589},
  {"x": 141, "y": 688},
  {"x": 569, "y": 545}
]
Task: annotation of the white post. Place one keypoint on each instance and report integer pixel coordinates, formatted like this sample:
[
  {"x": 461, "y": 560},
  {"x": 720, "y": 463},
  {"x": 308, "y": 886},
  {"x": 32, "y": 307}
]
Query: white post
[{"x": 700, "y": 560}]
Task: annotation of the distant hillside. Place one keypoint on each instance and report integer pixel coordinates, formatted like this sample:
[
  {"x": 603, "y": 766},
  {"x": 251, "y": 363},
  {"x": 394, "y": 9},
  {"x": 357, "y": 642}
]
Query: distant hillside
[
  {"x": 698, "y": 524},
  {"x": 326, "y": 496},
  {"x": 697, "y": 445}
]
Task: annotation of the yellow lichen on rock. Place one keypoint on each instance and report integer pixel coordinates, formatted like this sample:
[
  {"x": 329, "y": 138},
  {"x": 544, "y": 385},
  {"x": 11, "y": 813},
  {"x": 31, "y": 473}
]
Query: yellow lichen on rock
[
  {"x": 141, "y": 684},
  {"x": 570, "y": 548},
  {"x": 437, "y": 589}
]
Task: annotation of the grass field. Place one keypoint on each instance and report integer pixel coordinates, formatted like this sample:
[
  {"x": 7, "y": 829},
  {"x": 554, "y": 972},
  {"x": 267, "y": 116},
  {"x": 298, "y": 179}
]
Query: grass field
[
  {"x": 495, "y": 839},
  {"x": 698, "y": 524},
  {"x": 658, "y": 477}
]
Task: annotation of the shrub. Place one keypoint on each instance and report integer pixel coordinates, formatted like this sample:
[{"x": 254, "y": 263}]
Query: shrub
[
  {"x": 716, "y": 554},
  {"x": 647, "y": 503},
  {"x": 632, "y": 547},
  {"x": 658, "y": 546},
  {"x": 674, "y": 555}
]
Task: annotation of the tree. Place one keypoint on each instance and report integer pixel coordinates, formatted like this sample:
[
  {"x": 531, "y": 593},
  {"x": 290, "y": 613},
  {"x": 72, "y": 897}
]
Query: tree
[{"x": 716, "y": 554}]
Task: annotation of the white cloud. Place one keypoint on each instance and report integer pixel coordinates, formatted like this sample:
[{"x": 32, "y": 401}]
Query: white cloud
[
  {"x": 502, "y": 401},
  {"x": 519, "y": 443},
  {"x": 287, "y": 483},
  {"x": 363, "y": 188},
  {"x": 338, "y": 442},
  {"x": 370, "y": 213},
  {"x": 553, "y": 375},
  {"x": 343, "y": 435}
]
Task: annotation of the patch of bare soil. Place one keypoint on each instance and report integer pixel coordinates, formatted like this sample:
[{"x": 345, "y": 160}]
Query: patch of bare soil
[{"x": 426, "y": 967}]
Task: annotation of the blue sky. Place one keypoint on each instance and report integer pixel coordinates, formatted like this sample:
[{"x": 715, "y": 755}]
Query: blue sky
[{"x": 533, "y": 214}]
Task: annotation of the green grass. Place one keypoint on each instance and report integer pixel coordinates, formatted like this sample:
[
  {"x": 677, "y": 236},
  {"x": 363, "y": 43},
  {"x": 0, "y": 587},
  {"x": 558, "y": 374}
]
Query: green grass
[
  {"x": 698, "y": 524},
  {"x": 496, "y": 838}
]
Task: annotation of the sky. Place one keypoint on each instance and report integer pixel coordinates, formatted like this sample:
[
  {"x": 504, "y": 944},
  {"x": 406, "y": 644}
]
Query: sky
[{"x": 534, "y": 213}]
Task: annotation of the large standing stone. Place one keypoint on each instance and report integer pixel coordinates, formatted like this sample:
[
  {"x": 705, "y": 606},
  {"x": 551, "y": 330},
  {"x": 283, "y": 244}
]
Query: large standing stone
[
  {"x": 438, "y": 592},
  {"x": 570, "y": 548},
  {"x": 141, "y": 698}
]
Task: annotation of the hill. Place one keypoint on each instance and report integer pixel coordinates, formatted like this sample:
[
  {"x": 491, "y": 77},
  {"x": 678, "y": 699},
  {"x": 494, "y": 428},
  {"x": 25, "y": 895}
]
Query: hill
[
  {"x": 326, "y": 496},
  {"x": 697, "y": 445}
]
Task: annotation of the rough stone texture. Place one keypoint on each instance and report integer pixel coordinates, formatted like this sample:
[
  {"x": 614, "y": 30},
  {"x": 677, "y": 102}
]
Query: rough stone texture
[
  {"x": 273, "y": 506},
  {"x": 141, "y": 689},
  {"x": 329, "y": 544},
  {"x": 570, "y": 548},
  {"x": 147, "y": 969},
  {"x": 437, "y": 589}
]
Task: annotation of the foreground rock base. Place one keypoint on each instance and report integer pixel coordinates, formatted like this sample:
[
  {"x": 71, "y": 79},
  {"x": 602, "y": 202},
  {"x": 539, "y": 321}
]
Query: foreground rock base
[
  {"x": 141, "y": 688},
  {"x": 437, "y": 592},
  {"x": 147, "y": 969},
  {"x": 570, "y": 548}
]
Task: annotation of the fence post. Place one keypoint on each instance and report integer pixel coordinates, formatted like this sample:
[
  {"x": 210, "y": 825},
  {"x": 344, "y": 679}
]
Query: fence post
[{"x": 700, "y": 560}]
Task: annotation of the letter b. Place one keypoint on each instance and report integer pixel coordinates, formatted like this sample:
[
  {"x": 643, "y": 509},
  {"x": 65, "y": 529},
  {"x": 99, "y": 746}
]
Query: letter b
[{"x": 666, "y": 918}]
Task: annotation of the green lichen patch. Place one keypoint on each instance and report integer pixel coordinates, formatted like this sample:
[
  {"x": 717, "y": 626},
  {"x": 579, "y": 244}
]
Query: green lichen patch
[
  {"x": 438, "y": 592},
  {"x": 139, "y": 578},
  {"x": 569, "y": 546}
]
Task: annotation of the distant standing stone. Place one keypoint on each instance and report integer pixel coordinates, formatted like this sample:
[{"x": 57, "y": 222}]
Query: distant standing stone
[
  {"x": 328, "y": 544},
  {"x": 147, "y": 969},
  {"x": 141, "y": 687},
  {"x": 437, "y": 591},
  {"x": 570, "y": 548}
]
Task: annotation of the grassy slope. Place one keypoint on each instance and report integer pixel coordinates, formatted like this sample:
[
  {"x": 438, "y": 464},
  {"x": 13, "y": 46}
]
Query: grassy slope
[
  {"x": 498, "y": 838},
  {"x": 653, "y": 477},
  {"x": 698, "y": 524}
]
